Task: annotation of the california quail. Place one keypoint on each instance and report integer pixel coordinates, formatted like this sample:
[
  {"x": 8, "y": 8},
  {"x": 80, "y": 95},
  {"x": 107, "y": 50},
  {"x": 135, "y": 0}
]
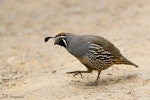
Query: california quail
[{"x": 95, "y": 52}]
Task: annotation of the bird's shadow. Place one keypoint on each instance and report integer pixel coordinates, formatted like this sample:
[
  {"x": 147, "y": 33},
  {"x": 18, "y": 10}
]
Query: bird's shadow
[
  {"x": 118, "y": 79},
  {"x": 107, "y": 81}
]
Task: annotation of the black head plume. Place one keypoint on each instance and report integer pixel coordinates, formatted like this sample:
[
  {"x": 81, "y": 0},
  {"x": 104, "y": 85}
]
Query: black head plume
[{"x": 47, "y": 38}]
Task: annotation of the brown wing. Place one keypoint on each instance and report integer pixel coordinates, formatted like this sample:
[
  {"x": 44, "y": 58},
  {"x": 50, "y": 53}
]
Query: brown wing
[{"x": 107, "y": 46}]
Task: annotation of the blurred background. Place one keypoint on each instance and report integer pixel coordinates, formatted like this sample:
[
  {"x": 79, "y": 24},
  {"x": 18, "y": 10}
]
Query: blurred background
[{"x": 31, "y": 69}]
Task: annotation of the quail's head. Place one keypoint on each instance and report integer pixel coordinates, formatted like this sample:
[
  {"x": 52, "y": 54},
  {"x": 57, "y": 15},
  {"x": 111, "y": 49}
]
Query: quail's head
[{"x": 60, "y": 39}]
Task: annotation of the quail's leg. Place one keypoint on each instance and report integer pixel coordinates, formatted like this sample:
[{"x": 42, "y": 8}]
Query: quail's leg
[
  {"x": 96, "y": 82},
  {"x": 79, "y": 72}
]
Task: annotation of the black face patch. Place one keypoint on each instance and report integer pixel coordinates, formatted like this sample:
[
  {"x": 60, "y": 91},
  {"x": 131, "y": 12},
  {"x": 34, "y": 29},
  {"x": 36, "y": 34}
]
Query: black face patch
[{"x": 62, "y": 42}]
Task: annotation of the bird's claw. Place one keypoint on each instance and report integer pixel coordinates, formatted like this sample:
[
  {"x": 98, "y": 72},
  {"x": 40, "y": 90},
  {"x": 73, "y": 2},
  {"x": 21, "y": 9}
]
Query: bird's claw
[
  {"x": 75, "y": 73},
  {"x": 92, "y": 84}
]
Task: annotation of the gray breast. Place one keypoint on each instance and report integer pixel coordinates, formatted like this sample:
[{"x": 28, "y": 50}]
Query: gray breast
[{"x": 78, "y": 47}]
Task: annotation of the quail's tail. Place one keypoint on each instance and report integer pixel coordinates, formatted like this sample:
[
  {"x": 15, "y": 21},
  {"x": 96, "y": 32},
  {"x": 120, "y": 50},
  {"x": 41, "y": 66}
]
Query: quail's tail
[{"x": 124, "y": 60}]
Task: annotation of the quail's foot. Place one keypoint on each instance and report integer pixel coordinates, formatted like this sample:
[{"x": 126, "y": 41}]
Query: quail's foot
[
  {"x": 92, "y": 83},
  {"x": 75, "y": 73}
]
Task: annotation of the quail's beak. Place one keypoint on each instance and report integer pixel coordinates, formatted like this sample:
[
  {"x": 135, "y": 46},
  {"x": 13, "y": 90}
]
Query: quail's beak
[{"x": 57, "y": 40}]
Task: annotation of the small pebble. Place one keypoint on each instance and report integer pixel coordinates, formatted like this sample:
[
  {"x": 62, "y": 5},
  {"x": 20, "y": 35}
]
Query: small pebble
[
  {"x": 78, "y": 81},
  {"x": 129, "y": 92},
  {"x": 1, "y": 81},
  {"x": 14, "y": 71},
  {"x": 5, "y": 79},
  {"x": 110, "y": 68},
  {"x": 109, "y": 74},
  {"x": 54, "y": 71}
]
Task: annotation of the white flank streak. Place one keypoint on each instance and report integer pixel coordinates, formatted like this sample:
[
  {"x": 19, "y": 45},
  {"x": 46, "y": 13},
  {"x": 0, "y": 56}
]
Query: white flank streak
[
  {"x": 92, "y": 44},
  {"x": 89, "y": 42},
  {"x": 92, "y": 50},
  {"x": 105, "y": 52},
  {"x": 93, "y": 47}
]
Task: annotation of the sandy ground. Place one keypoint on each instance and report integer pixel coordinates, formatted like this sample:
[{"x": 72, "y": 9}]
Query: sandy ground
[{"x": 33, "y": 70}]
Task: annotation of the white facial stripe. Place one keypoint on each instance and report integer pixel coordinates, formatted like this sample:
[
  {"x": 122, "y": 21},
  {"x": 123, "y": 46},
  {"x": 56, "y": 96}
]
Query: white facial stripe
[
  {"x": 65, "y": 42},
  {"x": 61, "y": 37}
]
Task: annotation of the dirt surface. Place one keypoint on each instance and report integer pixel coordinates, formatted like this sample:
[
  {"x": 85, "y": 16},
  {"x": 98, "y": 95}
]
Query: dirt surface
[{"x": 33, "y": 70}]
